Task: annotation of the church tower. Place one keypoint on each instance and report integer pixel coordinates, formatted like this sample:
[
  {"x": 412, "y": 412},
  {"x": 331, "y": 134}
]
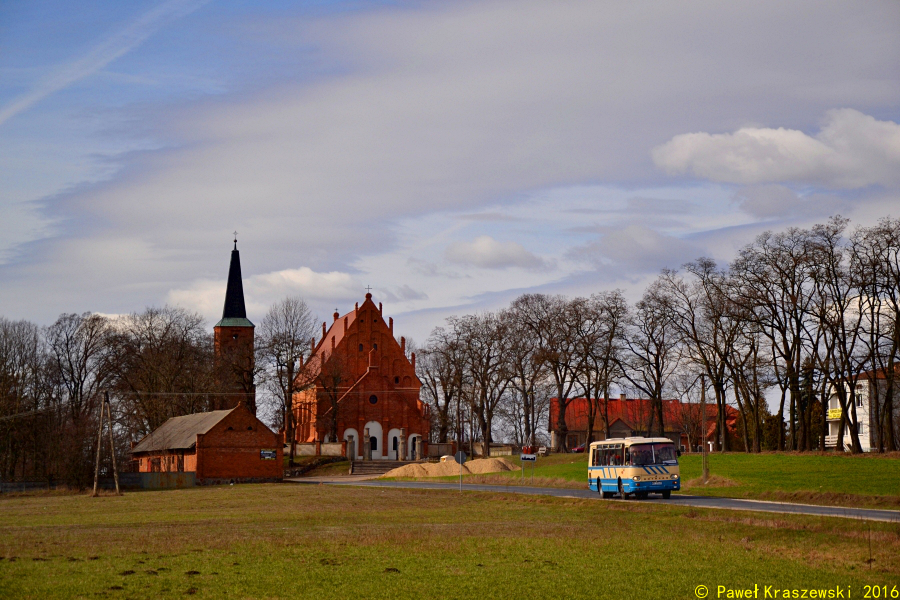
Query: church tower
[{"x": 234, "y": 344}]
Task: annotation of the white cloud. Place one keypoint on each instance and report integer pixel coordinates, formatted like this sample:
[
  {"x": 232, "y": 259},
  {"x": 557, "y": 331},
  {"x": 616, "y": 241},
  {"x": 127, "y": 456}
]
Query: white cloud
[
  {"x": 487, "y": 253},
  {"x": 207, "y": 296},
  {"x": 851, "y": 150}
]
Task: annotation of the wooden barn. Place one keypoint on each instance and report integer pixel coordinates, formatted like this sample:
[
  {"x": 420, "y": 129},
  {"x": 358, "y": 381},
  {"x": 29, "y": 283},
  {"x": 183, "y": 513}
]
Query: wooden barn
[{"x": 220, "y": 446}]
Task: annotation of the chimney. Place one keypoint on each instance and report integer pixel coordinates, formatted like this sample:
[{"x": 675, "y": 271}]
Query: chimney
[
  {"x": 379, "y": 308},
  {"x": 391, "y": 324},
  {"x": 403, "y": 344},
  {"x": 346, "y": 323},
  {"x": 324, "y": 329},
  {"x": 356, "y": 308},
  {"x": 413, "y": 361},
  {"x": 623, "y": 397},
  {"x": 312, "y": 346}
]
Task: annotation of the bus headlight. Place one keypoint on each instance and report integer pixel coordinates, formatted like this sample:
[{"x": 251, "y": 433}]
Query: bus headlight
[
  {"x": 637, "y": 478},
  {"x": 674, "y": 476}
]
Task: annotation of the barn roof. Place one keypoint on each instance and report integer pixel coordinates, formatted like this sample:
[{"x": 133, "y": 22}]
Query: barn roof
[{"x": 180, "y": 433}]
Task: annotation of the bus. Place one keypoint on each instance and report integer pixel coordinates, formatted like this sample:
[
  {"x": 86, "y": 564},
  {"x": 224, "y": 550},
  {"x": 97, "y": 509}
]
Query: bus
[{"x": 633, "y": 466}]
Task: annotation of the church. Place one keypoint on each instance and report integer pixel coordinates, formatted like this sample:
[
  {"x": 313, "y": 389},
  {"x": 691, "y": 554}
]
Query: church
[{"x": 361, "y": 388}]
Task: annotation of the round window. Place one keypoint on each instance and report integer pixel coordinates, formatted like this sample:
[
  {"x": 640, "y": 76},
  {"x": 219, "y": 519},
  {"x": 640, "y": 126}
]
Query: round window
[{"x": 373, "y": 399}]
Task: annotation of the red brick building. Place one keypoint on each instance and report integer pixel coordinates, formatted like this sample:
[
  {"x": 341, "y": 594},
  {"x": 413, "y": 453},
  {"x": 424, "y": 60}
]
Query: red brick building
[
  {"x": 628, "y": 417},
  {"x": 363, "y": 371},
  {"x": 217, "y": 447}
]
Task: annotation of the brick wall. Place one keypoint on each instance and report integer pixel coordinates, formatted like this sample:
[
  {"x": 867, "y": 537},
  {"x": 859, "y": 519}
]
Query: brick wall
[{"x": 231, "y": 450}]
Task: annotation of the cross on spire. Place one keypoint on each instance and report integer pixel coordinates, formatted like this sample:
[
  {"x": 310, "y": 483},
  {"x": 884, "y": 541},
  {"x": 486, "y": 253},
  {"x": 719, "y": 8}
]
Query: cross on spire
[
  {"x": 368, "y": 288},
  {"x": 235, "y": 239}
]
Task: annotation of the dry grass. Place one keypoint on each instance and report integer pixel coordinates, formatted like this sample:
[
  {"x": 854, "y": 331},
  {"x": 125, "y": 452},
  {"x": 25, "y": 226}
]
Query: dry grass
[
  {"x": 326, "y": 541},
  {"x": 713, "y": 481}
]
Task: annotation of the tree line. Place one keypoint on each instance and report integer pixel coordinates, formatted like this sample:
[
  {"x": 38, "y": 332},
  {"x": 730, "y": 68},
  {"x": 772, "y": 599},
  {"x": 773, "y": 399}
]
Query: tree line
[
  {"x": 153, "y": 365},
  {"x": 798, "y": 316}
]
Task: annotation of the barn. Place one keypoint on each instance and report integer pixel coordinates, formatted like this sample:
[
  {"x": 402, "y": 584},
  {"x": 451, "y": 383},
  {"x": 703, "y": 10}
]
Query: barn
[{"x": 220, "y": 446}]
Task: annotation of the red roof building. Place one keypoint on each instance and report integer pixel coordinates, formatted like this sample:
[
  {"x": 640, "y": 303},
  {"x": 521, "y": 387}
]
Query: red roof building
[{"x": 630, "y": 416}]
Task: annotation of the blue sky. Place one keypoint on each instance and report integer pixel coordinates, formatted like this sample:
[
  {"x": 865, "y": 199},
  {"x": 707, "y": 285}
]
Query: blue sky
[{"x": 452, "y": 155}]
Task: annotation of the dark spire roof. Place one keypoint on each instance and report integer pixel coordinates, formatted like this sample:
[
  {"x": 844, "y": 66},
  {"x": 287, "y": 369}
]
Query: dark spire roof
[{"x": 235, "y": 313}]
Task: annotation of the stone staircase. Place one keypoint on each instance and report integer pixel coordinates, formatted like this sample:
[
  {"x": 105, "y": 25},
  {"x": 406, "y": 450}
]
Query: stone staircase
[{"x": 376, "y": 467}]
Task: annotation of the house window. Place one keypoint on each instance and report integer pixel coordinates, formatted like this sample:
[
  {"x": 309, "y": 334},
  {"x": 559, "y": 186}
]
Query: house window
[
  {"x": 396, "y": 380},
  {"x": 858, "y": 400},
  {"x": 360, "y": 347}
]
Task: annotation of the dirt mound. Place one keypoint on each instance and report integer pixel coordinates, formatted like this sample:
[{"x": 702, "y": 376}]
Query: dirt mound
[
  {"x": 445, "y": 469},
  {"x": 491, "y": 465}
]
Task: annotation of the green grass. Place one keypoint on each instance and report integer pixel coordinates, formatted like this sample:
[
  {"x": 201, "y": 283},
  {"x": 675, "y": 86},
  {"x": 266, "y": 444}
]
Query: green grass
[
  {"x": 835, "y": 479},
  {"x": 302, "y": 541}
]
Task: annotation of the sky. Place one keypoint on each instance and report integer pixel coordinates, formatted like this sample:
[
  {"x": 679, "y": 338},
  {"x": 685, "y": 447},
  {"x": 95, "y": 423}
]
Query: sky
[{"x": 451, "y": 155}]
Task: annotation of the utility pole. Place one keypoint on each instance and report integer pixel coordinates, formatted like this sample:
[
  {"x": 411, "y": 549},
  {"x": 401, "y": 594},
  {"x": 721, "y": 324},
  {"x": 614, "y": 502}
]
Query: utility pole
[
  {"x": 703, "y": 458},
  {"x": 105, "y": 410}
]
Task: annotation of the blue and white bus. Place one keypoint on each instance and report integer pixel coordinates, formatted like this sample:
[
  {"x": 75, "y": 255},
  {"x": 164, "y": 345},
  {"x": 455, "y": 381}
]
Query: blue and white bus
[{"x": 634, "y": 466}]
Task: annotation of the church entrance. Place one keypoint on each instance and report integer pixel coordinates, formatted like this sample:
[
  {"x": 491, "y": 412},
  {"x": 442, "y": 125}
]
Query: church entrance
[{"x": 376, "y": 434}]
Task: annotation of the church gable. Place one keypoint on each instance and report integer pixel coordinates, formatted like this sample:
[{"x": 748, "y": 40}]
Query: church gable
[{"x": 364, "y": 339}]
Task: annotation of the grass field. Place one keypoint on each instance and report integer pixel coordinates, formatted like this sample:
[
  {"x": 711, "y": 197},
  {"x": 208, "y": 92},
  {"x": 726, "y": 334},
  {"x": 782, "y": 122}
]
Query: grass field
[
  {"x": 842, "y": 480},
  {"x": 303, "y": 541}
]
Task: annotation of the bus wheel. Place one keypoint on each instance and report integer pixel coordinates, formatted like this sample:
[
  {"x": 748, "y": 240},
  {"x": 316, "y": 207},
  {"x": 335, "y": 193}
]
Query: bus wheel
[
  {"x": 667, "y": 494},
  {"x": 600, "y": 489},
  {"x": 622, "y": 493}
]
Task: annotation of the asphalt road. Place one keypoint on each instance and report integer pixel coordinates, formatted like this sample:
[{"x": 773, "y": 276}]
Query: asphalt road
[{"x": 676, "y": 499}]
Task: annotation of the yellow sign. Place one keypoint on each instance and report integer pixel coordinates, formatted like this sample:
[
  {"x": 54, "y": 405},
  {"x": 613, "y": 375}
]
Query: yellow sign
[{"x": 834, "y": 414}]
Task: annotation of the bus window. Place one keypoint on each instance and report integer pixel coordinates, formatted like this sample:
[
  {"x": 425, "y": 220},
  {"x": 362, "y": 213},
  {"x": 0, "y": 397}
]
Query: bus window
[
  {"x": 652, "y": 454},
  {"x": 665, "y": 453}
]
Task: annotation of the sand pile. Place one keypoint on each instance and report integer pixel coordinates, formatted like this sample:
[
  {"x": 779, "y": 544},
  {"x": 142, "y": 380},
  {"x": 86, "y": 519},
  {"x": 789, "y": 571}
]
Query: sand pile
[{"x": 444, "y": 469}]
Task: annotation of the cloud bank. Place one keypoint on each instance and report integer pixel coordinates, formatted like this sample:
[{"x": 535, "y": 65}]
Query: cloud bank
[{"x": 852, "y": 150}]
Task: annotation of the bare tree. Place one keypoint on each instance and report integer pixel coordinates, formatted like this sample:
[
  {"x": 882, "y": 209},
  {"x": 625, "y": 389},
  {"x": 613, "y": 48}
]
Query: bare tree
[
  {"x": 284, "y": 347},
  {"x": 527, "y": 369},
  {"x": 651, "y": 344},
  {"x": 599, "y": 325},
  {"x": 775, "y": 282},
  {"x": 441, "y": 369},
  {"x": 876, "y": 264},
  {"x": 161, "y": 363},
  {"x": 549, "y": 318},
  {"x": 484, "y": 346}
]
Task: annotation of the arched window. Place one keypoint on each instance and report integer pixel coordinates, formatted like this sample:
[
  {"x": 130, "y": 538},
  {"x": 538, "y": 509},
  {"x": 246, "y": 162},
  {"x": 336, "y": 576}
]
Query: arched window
[
  {"x": 374, "y": 443},
  {"x": 396, "y": 443},
  {"x": 375, "y": 346},
  {"x": 360, "y": 347}
]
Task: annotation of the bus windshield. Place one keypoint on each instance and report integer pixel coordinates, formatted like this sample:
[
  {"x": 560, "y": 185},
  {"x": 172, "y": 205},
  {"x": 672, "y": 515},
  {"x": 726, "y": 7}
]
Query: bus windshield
[{"x": 653, "y": 454}]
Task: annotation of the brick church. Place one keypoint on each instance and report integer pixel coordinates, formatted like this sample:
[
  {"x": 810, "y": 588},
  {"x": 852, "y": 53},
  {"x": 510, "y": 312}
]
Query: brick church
[{"x": 362, "y": 388}]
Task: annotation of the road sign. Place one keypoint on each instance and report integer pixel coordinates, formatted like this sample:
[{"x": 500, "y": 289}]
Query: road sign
[
  {"x": 460, "y": 457},
  {"x": 528, "y": 457}
]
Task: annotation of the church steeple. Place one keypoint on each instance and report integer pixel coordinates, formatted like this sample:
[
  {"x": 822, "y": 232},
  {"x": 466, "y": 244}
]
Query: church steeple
[
  {"x": 234, "y": 314},
  {"x": 233, "y": 338},
  {"x": 234, "y": 293}
]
